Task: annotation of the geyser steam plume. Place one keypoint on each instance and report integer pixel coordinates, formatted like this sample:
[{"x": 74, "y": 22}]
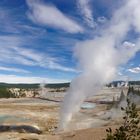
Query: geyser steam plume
[
  {"x": 43, "y": 90},
  {"x": 101, "y": 57}
]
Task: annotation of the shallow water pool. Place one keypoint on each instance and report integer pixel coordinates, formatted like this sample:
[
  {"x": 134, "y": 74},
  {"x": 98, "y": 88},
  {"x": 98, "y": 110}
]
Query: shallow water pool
[
  {"x": 8, "y": 118},
  {"x": 87, "y": 105}
]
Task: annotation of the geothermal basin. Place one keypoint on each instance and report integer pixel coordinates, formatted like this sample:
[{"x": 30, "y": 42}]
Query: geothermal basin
[{"x": 43, "y": 114}]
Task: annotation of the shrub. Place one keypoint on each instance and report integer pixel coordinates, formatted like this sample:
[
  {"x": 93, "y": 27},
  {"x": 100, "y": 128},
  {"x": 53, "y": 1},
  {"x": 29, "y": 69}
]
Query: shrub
[{"x": 130, "y": 129}]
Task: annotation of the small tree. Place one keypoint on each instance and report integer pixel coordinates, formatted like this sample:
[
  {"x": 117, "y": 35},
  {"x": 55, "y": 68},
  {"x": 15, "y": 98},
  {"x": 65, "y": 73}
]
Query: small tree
[{"x": 130, "y": 129}]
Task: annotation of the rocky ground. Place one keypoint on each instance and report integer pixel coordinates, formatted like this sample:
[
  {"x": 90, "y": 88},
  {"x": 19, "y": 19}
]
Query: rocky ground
[
  {"x": 86, "y": 134},
  {"x": 43, "y": 115}
]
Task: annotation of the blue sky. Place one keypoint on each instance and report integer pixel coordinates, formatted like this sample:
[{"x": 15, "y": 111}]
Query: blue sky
[{"x": 37, "y": 38}]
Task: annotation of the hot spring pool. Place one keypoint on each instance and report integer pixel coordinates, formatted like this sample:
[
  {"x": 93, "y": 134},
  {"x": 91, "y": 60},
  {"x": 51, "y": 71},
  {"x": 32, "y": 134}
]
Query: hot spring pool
[
  {"x": 9, "y": 118},
  {"x": 87, "y": 105}
]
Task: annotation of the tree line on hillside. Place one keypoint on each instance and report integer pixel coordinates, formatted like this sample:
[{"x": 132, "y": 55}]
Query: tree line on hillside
[
  {"x": 57, "y": 85},
  {"x": 115, "y": 83},
  {"x": 34, "y": 86},
  {"x": 5, "y": 93}
]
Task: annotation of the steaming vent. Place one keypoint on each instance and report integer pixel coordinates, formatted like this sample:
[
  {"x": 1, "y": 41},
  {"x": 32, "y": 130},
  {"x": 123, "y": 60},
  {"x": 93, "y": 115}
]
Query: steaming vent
[{"x": 100, "y": 58}]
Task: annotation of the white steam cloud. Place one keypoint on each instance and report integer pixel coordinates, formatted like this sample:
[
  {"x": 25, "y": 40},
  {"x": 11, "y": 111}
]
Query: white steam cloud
[{"x": 101, "y": 57}]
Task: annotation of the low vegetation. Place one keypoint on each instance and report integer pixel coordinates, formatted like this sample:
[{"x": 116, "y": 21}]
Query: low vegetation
[{"x": 5, "y": 93}]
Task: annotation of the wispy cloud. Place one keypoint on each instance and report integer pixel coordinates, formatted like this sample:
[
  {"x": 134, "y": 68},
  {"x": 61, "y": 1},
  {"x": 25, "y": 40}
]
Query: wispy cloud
[
  {"x": 10, "y": 23},
  {"x": 53, "y": 65},
  {"x": 85, "y": 9},
  {"x": 134, "y": 70},
  {"x": 13, "y": 52},
  {"x": 120, "y": 74},
  {"x": 102, "y": 19},
  {"x": 20, "y": 79},
  {"x": 49, "y": 15},
  {"x": 11, "y": 69},
  {"x": 6, "y": 22}
]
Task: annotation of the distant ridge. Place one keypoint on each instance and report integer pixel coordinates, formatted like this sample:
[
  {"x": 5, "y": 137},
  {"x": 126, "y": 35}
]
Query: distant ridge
[
  {"x": 57, "y": 85},
  {"x": 115, "y": 83},
  {"x": 129, "y": 82},
  {"x": 37, "y": 85}
]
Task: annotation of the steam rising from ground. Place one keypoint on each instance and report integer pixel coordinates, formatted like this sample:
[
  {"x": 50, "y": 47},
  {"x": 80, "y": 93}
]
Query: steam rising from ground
[
  {"x": 115, "y": 111},
  {"x": 101, "y": 57},
  {"x": 43, "y": 90}
]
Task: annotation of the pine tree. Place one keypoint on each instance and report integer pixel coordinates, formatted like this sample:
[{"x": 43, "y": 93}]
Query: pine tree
[{"x": 130, "y": 129}]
